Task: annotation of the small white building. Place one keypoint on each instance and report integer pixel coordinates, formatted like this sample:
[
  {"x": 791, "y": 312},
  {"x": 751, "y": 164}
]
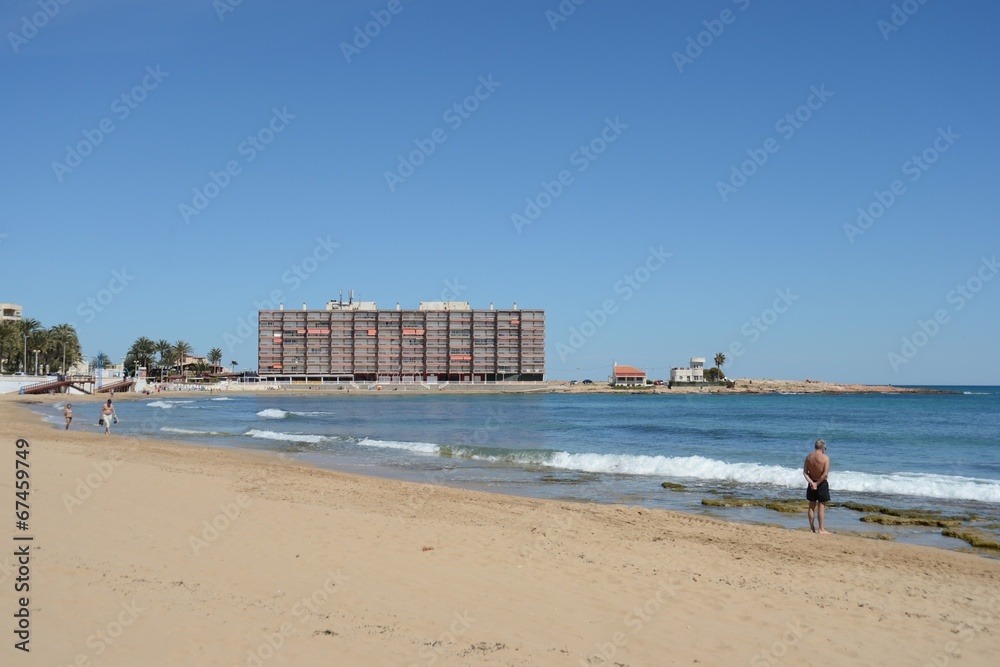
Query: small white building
[
  {"x": 627, "y": 376},
  {"x": 694, "y": 373}
]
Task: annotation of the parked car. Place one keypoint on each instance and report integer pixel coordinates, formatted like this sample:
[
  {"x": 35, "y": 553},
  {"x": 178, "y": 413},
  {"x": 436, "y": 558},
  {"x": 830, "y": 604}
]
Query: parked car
[
  {"x": 658, "y": 383},
  {"x": 20, "y": 374},
  {"x": 572, "y": 381},
  {"x": 588, "y": 382}
]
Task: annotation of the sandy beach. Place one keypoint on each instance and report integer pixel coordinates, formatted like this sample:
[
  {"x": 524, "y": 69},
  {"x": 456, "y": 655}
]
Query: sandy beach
[{"x": 153, "y": 553}]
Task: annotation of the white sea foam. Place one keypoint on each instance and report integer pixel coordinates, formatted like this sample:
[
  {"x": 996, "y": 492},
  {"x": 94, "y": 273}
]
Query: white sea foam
[
  {"x": 221, "y": 398},
  {"x": 699, "y": 467},
  {"x": 188, "y": 431},
  {"x": 166, "y": 404},
  {"x": 273, "y": 413},
  {"x": 703, "y": 468},
  {"x": 421, "y": 447},
  {"x": 285, "y": 437}
]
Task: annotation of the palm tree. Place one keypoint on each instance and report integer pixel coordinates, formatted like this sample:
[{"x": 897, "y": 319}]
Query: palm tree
[
  {"x": 62, "y": 347},
  {"x": 181, "y": 349},
  {"x": 100, "y": 359},
  {"x": 233, "y": 364},
  {"x": 166, "y": 352},
  {"x": 32, "y": 336},
  {"x": 141, "y": 353},
  {"x": 10, "y": 345},
  {"x": 719, "y": 360},
  {"x": 214, "y": 357}
]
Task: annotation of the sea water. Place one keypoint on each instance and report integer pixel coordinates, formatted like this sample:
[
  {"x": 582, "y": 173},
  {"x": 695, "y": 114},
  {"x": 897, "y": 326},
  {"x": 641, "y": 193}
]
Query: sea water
[{"x": 937, "y": 451}]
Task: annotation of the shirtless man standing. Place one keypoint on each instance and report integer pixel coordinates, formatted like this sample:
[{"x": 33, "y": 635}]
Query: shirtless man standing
[{"x": 816, "y": 470}]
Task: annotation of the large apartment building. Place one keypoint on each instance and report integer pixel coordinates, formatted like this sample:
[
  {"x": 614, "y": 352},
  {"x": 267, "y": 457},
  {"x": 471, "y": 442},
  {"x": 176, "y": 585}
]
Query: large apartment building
[
  {"x": 441, "y": 340},
  {"x": 10, "y": 311}
]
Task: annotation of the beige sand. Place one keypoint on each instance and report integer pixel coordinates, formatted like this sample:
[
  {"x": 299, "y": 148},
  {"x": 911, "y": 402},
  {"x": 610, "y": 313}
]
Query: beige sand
[{"x": 333, "y": 569}]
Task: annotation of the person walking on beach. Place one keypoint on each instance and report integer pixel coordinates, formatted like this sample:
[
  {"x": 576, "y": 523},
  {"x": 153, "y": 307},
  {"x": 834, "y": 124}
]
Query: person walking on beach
[
  {"x": 107, "y": 414},
  {"x": 816, "y": 470},
  {"x": 68, "y": 414}
]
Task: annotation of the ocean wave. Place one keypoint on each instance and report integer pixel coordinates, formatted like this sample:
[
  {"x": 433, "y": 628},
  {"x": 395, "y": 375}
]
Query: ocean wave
[
  {"x": 703, "y": 468},
  {"x": 166, "y": 404},
  {"x": 420, "y": 447},
  {"x": 275, "y": 413},
  {"x": 222, "y": 398},
  {"x": 699, "y": 467},
  {"x": 188, "y": 431},
  {"x": 285, "y": 437}
]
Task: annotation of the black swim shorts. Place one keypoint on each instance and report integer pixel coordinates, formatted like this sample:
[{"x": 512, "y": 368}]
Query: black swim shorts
[{"x": 821, "y": 493}]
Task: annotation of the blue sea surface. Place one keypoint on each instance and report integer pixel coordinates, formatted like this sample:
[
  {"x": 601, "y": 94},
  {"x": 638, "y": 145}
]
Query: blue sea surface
[{"x": 926, "y": 451}]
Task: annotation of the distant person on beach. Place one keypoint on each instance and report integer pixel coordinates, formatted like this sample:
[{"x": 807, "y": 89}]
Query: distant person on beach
[
  {"x": 107, "y": 414},
  {"x": 816, "y": 470},
  {"x": 68, "y": 414}
]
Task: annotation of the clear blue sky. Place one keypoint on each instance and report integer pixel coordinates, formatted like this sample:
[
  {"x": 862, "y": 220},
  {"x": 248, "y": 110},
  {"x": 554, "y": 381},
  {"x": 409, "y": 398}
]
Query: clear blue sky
[{"x": 198, "y": 81}]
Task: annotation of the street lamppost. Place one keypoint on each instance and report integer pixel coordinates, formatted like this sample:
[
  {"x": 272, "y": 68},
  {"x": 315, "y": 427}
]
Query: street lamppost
[
  {"x": 25, "y": 354},
  {"x": 36, "y": 361}
]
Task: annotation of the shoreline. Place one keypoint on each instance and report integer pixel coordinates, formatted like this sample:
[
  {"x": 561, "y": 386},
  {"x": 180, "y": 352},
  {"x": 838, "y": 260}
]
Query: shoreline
[
  {"x": 779, "y": 507},
  {"x": 743, "y": 386},
  {"x": 226, "y": 556}
]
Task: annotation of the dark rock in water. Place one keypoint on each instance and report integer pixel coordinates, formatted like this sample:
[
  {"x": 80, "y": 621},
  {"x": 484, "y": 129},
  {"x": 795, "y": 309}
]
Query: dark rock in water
[
  {"x": 887, "y": 520},
  {"x": 777, "y": 505},
  {"x": 976, "y": 538},
  {"x": 929, "y": 515},
  {"x": 673, "y": 486}
]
